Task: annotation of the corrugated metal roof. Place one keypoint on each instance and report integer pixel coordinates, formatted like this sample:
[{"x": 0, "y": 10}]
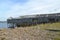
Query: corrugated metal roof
[{"x": 38, "y": 15}]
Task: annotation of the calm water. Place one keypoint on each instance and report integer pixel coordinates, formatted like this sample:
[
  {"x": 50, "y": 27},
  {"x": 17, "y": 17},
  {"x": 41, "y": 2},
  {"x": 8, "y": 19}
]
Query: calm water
[{"x": 3, "y": 24}]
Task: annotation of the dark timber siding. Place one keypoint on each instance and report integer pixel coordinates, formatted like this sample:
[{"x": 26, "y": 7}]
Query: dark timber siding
[{"x": 44, "y": 18}]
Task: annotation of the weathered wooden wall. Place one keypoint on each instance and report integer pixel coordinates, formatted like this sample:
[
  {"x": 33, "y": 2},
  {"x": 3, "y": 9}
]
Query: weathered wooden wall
[{"x": 34, "y": 20}]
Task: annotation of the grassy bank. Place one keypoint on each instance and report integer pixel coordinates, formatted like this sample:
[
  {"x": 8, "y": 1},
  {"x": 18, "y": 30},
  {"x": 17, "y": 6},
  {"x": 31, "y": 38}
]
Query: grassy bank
[
  {"x": 54, "y": 27},
  {"x": 48, "y": 26},
  {"x": 37, "y": 32}
]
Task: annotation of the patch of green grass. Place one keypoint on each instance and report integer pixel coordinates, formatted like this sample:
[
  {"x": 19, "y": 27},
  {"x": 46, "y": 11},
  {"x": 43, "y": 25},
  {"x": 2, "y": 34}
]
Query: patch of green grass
[
  {"x": 55, "y": 26},
  {"x": 50, "y": 26},
  {"x": 56, "y": 38}
]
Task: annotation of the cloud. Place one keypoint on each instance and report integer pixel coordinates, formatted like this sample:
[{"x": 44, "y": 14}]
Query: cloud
[{"x": 28, "y": 7}]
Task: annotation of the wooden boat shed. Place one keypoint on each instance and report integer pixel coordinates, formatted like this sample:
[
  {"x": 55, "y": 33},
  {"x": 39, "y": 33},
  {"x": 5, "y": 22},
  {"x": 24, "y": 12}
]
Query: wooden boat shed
[{"x": 33, "y": 19}]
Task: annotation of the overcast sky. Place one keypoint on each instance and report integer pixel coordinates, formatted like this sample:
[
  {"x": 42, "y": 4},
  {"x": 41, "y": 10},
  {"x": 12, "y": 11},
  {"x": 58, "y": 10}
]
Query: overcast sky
[{"x": 15, "y": 8}]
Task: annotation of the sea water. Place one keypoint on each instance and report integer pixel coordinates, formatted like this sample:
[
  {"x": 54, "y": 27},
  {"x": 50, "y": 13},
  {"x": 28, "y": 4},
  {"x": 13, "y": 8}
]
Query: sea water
[{"x": 3, "y": 24}]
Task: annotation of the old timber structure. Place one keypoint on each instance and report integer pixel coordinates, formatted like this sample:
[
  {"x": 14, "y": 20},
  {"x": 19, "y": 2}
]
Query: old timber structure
[{"x": 33, "y": 20}]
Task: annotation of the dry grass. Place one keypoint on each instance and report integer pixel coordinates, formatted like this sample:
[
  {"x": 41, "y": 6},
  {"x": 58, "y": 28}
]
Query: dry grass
[{"x": 36, "y": 32}]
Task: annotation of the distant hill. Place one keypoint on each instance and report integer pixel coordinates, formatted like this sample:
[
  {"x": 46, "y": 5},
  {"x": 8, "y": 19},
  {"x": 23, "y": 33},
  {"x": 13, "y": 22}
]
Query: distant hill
[{"x": 3, "y": 21}]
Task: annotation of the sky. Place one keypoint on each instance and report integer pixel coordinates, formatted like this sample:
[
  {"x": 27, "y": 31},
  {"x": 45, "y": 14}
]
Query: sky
[{"x": 16, "y": 8}]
